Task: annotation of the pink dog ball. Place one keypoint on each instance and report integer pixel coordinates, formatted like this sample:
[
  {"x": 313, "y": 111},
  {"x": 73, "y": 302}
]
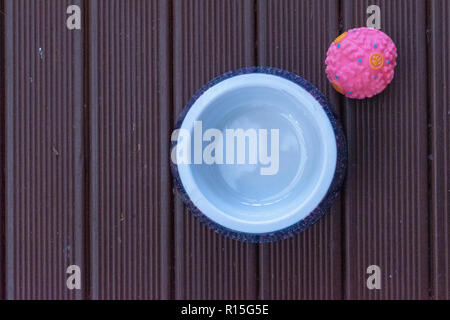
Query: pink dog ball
[{"x": 361, "y": 62}]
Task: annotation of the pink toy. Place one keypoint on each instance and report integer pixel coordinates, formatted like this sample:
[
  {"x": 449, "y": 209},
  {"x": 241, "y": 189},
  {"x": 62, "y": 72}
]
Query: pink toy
[{"x": 360, "y": 62}]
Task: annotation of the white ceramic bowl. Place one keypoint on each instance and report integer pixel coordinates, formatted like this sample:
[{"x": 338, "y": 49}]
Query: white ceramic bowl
[{"x": 238, "y": 200}]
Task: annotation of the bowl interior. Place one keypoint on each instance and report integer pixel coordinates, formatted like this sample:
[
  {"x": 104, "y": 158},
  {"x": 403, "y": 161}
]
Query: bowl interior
[{"x": 289, "y": 174}]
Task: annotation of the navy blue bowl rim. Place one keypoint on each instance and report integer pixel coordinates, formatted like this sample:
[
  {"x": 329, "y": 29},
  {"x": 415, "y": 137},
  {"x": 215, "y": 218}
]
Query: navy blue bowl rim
[{"x": 333, "y": 190}]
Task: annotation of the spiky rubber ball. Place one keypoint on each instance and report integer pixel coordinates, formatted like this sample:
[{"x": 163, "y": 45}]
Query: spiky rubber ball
[{"x": 361, "y": 62}]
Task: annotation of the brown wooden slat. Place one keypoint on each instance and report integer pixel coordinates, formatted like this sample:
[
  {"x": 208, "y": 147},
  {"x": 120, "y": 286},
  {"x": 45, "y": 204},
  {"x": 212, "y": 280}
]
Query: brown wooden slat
[
  {"x": 2, "y": 155},
  {"x": 44, "y": 149},
  {"x": 295, "y": 35},
  {"x": 439, "y": 61},
  {"x": 386, "y": 214},
  {"x": 132, "y": 241},
  {"x": 210, "y": 37},
  {"x": 130, "y": 222}
]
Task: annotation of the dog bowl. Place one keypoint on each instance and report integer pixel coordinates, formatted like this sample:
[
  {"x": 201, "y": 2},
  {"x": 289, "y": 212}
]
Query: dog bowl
[{"x": 258, "y": 155}]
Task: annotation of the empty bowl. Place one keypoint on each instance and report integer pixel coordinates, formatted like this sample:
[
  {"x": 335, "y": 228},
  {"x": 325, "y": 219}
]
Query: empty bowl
[{"x": 258, "y": 155}]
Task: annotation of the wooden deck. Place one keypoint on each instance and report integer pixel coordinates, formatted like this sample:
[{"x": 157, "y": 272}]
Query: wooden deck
[{"x": 85, "y": 124}]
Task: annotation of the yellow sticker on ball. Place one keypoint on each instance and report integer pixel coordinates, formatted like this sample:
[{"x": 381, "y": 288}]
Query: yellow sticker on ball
[
  {"x": 376, "y": 60},
  {"x": 342, "y": 36}
]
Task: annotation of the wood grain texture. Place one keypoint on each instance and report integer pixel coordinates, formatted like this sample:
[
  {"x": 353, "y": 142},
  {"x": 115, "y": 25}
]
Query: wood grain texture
[
  {"x": 2, "y": 156},
  {"x": 295, "y": 35},
  {"x": 44, "y": 150},
  {"x": 386, "y": 214},
  {"x": 85, "y": 123},
  {"x": 439, "y": 61},
  {"x": 130, "y": 210},
  {"x": 210, "y": 38}
]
